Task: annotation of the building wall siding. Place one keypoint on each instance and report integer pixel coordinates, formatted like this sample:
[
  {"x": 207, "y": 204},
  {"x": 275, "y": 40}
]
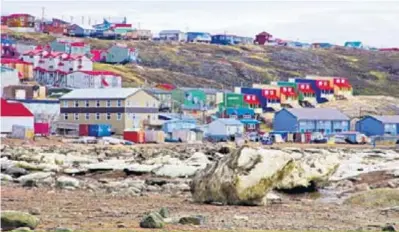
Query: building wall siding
[
  {"x": 370, "y": 126},
  {"x": 285, "y": 121}
]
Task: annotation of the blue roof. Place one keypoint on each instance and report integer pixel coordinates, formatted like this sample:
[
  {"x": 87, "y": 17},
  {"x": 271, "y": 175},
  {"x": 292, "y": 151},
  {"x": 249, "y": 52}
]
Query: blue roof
[
  {"x": 249, "y": 121},
  {"x": 229, "y": 121},
  {"x": 317, "y": 114},
  {"x": 240, "y": 111},
  {"x": 180, "y": 121},
  {"x": 353, "y": 44}
]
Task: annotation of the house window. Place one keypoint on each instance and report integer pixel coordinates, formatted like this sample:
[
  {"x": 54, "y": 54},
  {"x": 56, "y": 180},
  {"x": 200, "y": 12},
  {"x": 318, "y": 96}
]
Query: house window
[
  {"x": 251, "y": 126},
  {"x": 87, "y": 103},
  {"x": 98, "y": 103},
  {"x": 247, "y": 116},
  {"x": 108, "y": 116},
  {"x": 65, "y": 103},
  {"x": 65, "y": 116},
  {"x": 119, "y": 103},
  {"x": 233, "y": 116},
  {"x": 108, "y": 103},
  {"x": 76, "y": 116},
  {"x": 97, "y": 116},
  {"x": 76, "y": 103},
  {"x": 87, "y": 116},
  {"x": 119, "y": 116}
]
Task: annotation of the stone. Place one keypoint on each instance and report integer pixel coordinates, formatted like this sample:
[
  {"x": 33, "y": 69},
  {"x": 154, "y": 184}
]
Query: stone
[
  {"x": 273, "y": 198},
  {"x": 192, "y": 220},
  {"x": 14, "y": 219},
  {"x": 60, "y": 229},
  {"x": 152, "y": 188},
  {"x": 34, "y": 211},
  {"x": 156, "y": 181},
  {"x": 108, "y": 165},
  {"x": 66, "y": 181},
  {"x": 164, "y": 212},
  {"x": 36, "y": 178},
  {"x": 74, "y": 171},
  {"x": 152, "y": 220},
  {"x": 174, "y": 171},
  {"x": 243, "y": 177},
  {"x": 140, "y": 169},
  {"x": 198, "y": 159},
  {"x": 16, "y": 172},
  {"x": 5, "y": 177},
  {"x": 362, "y": 187},
  {"x": 390, "y": 227},
  {"x": 22, "y": 229},
  {"x": 241, "y": 217}
]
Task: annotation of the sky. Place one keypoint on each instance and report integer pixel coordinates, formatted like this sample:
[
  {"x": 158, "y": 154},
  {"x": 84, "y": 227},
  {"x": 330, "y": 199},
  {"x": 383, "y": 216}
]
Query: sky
[{"x": 375, "y": 23}]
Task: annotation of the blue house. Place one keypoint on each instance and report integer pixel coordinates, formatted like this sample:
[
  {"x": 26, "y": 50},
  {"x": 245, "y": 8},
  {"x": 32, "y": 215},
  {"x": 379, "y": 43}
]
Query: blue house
[
  {"x": 378, "y": 125},
  {"x": 223, "y": 129},
  {"x": 354, "y": 44},
  {"x": 265, "y": 101},
  {"x": 324, "y": 120},
  {"x": 322, "y": 45},
  {"x": 223, "y": 39},
  {"x": 245, "y": 115},
  {"x": 199, "y": 37},
  {"x": 323, "y": 90},
  {"x": 243, "y": 40},
  {"x": 178, "y": 124},
  {"x": 80, "y": 30}
]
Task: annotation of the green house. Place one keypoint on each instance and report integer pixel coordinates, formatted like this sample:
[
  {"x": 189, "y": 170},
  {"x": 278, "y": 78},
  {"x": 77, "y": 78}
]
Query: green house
[
  {"x": 191, "y": 99},
  {"x": 233, "y": 100}
]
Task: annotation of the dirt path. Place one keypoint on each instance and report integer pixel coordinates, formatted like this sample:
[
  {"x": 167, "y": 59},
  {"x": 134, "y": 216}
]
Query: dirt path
[{"x": 88, "y": 211}]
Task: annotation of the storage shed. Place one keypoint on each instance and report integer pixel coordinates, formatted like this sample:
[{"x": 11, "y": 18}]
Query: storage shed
[
  {"x": 225, "y": 127},
  {"x": 14, "y": 113},
  {"x": 324, "y": 120},
  {"x": 379, "y": 125}
]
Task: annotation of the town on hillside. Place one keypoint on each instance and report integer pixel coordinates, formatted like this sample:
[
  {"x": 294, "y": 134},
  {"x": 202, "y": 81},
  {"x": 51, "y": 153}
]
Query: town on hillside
[{"x": 192, "y": 131}]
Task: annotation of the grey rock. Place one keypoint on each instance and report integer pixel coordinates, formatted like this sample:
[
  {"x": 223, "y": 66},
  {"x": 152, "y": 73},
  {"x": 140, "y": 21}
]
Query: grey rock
[
  {"x": 5, "y": 177},
  {"x": 22, "y": 229},
  {"x": 14, "y": 219},
  {"x": 60, "y": 229},
  {"x": 156, "y": 181},
  {"x": 152, "y": 220},
  {"x": 390, "y": 227},
  {"x": 74, "y": 171},
  {"x": 15, "y": 171},
  {"x": 193, "y": 220},
  {"x": 173, "y": 171},
  {"x": 34, "y": 211},
  {"x": 164, "y": 212},
  {"x": 66, "y": 181},
  {"x": 152, "y": 188},
  {"x": 36, "y": 178},
  {"x": 362, "y": 187},
  {"x": 140, "y": 169}
]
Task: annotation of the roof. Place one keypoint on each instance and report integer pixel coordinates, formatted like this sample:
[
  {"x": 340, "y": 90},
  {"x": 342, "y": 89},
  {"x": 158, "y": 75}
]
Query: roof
[
  {"x": 171, "y": 116},
  {"x": 19, "y": 15},
  {"x": 264, "y": 33},
  {"x": 249, "y": 121},
  {"x": 354, "y": 44},
  {"x": 109, "y": 93},
  {"x": 157, "y": 91},
  {"x": 229, "y": 121},
  {"x": 14, "y": 109},
  {"x": 387, "y": 118},
  {"x": 78, "y": 44},
  {"x": 7, "y": 69},
  {"x": 240, "y": 111},
  {"x": 13, "y": 61},
  {"x": 317, "y": 114},
  {"x": 83, "y": 26},
  {"x": 115, "y": 20},
  {"x": 170, "y": 32}
]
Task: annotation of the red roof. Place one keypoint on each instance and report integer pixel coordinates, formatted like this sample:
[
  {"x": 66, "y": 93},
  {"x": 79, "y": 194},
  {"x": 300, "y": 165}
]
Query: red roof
[
  {"x": 33, "y": 52},
  {"x": 99, "y": 72},
  {"x": 324, "y": 85},
  {"x": 264, "y": 33},
  {"x": 96, "y": 54},
  {"x": 13, "y": 61},
  {"x": 122, "y": 25},
  {"x": 342, "y": 83},
  {"x": 287, "y": 91},
  {"x": 166, "y": 86},
  {"x": 78, "y": 44},
  {"x": 14, "y": 109},
  {"x": 251, "y": 99},
  {"x": 305, "y": 88},
  {"x": 19, "y": 15}
]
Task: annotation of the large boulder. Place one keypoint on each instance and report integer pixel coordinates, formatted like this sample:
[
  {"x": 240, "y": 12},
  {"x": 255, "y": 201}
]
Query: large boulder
[
  {"x": 13, "y": 219},
  {"x": 242, "y": 178},
  {"x": 35, "y": 179},
  {"x": 66, "y": 181},
  {"x": 175, "y": 170},
  {"x": 310, "y": 168},
  {"x": 152, "y": 220}
]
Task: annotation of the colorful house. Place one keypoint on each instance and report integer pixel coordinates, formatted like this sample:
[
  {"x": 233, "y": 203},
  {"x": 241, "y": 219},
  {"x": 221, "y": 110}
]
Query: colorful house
[
  {"x": 322, "y": 45},
  {"x": 14, "y": 113},
  {"x": 223, "y": 129},
  {"x": 289, "y": 94},
  {"x": 232, "y": 100},
  {"x": 164, "y": 96},
  {"x": 324, "y": 91},
  {"x": 139, "y": 34},
  {"x": 93, "y": 79},
  {"x": 119, "y": 54},
  {"x": 8, "y": 48},
  {"x": 223, "y": 39},
  {"x": 199, "y": 37},
  {"x": 245, "y": 115},
  {"x": 25, "y": 69},
  {"x": 173, "y": 35},
  {"x": 264, "y": 99},
  {"x": 354, "y": 44},
  {"x": 80, "y": 30},
  {"x": 55, "y": 27},
  {"x": 98, "y": 55},
  {"x": 243, "y": 40},
  {"x": 341, "y": 85},
  {"x": 9, "y": 76},
  {"x": 18, "y": 20},
  {"x": 190, "y": 99},
  {"x": 110, "y": 23},
  {"x": 70, "y": 47},
  {"x": 263, "y": 38},
  {"x": 378, "y": 125},
  {"x": 324, "y": 120}
]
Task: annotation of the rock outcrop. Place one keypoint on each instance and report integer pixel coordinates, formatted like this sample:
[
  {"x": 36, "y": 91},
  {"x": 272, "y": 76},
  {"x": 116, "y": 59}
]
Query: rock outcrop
[
  {"x": 14, "y": 219},
  {"x": 242, "y": 178}
]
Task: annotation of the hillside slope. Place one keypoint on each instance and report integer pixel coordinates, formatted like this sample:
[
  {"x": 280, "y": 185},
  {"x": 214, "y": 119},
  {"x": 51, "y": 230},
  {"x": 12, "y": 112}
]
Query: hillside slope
[{"x": 200, "y": 65}]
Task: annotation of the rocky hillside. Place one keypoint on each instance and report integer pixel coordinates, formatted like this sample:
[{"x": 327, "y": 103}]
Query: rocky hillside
[{"x": 199, "y": 65}]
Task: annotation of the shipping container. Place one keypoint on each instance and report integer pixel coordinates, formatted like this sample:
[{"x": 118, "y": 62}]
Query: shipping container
[
  {"x": 153, "y": 136},
  {"x": 99, "y": 130},
  {"x": 22, "y": 132},
  {"x": 42, "y": 128},
  {"x": 84, "y": 130},
  {"x": 134, "y": 136}
]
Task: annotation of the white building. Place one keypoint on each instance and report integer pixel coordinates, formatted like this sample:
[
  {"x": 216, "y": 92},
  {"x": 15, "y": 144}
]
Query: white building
[
  {"x": 14, "y": 113},
  {"x": 225, "y": 127},
  {"x": 93, "y": 79},
  {"x": 9, "y": 76}
]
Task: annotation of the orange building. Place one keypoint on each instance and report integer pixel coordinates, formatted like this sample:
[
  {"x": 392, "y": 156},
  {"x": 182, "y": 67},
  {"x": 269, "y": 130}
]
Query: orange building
[
  {"x": 25, "y": 69},
  {"x": 18, "y": 20}
]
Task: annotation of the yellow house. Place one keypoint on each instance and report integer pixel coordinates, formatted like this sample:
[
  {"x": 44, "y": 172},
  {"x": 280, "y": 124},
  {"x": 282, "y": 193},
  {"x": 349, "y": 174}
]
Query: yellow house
[{"x": 121, "y": 108}]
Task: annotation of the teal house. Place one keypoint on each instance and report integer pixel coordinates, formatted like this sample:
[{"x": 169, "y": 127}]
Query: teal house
[
  {"x": 75, "y": 48},
  {"x": 121, "y": 55}
]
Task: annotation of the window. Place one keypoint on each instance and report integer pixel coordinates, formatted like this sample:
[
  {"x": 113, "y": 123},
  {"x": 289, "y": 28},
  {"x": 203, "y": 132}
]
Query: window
[
  {"x": 76, "y": 103},
  {"x": 251, "y": 126},
  {"x": 233, "y": 116},
  {"x": 76, "y": 116},
  {"x": 97, "y": 116},
  {"x": 108, "y": 116},
  {"x": 108, "y": 103},
  {"x": 98, "y": 103},
  {"x": 87, "y": 116},
  {"x": 247, "y": 116},
  {"x": 147, "y": 104},
  {"x": 119, "y": 103},
  {"x": 65, "y": 103},
  {"x": 87, "y": 103},
  {"x": 119, "y": 116},
  {"x": 65, "y": 116}
]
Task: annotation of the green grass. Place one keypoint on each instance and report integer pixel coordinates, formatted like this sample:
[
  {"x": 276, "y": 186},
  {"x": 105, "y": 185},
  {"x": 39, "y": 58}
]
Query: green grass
[
  {"x": 129, "y": 76},
  {"x": 379, "y": 75},
  {"x": 375, "y": 198}
]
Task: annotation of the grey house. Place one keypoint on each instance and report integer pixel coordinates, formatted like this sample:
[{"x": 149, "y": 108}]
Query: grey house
[
  {"x": 173, "y": 35},
  {"x": 379, "y": 125},
  {"x": 120, "y": 55},
  {"x": 324, "y": 120}
]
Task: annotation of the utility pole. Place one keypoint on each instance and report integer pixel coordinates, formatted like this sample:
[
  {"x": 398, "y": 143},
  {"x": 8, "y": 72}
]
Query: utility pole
[{"x": 43, "y": 10}]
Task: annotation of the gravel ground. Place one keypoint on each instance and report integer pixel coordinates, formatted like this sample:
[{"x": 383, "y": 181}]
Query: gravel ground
[{"x": 92, "y": 212}]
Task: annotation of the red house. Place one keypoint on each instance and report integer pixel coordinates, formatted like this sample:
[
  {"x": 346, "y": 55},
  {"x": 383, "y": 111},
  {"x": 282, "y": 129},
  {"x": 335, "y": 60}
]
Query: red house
[
  {"x": 389, "y": 49},
  {"x": 18, "y": 20},
  {"x": 56, "y": 26},
  {"x": 263, "y": 38}
]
